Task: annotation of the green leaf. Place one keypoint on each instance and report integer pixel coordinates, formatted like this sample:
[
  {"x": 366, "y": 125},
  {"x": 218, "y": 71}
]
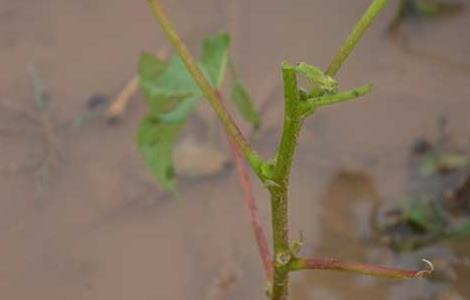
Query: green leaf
[
  {"x": 170, "y": 90},
  {"x": 156, "y": 141},
  {"x": 172, "y": 95},
  {"x": 176, "y": 79},
  {"x": 150, "y": 68},
  {"x": 181, "y": 112},
  {"x": 245, "y": 104},
  {"x": 162, "y": 81},
  {"x": 214, "y": 57}
]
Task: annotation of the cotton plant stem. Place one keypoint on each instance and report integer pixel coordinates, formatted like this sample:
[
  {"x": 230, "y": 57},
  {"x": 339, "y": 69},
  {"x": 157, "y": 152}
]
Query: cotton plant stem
[
  {"x": 293, "y": 122},
  {"x": 355, "y": 36},
  {"x": 283, "y": 260},
  {"x": 252, "y": 157},
  {"x": 279, "y": 190},
  {"x": 279, "y": 215},
  {"x": 360, "y": 268}
]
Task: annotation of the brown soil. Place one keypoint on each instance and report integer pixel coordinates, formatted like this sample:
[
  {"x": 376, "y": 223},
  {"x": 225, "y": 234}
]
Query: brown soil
[{"x": 81, "y": 217}]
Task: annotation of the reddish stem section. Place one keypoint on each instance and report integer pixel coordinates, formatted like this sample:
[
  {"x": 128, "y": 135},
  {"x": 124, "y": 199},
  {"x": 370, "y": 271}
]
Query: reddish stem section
[
  {"x": 250, "y": 202},
  {"x": 361, "y": 268}
]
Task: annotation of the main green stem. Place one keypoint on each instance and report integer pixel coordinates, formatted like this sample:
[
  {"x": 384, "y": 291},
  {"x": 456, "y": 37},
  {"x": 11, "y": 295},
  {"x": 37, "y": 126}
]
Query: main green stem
[
  {"x": 293, "y": 122},
  {"x": 279, "y": 191}
]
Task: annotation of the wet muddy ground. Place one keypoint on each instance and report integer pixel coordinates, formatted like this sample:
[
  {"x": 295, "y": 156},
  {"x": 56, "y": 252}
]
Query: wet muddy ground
[{"x": 81, "y": 217}]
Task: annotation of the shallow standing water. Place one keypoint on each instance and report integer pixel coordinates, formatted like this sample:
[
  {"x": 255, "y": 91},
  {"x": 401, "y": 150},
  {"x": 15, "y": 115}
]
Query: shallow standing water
[{"x": 96, "y": 226}]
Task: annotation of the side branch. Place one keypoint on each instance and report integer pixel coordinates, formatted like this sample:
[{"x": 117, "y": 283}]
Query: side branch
[
  {"x": 354, "y": 37},
  {"x": 360, "y": 268},
  {"x": 209, "y": 92},
  {"x": 250, "y": 201}
]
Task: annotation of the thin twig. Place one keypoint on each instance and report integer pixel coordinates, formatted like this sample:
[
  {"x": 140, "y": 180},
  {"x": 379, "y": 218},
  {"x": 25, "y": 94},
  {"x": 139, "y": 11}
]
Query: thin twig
[
  {"x": 355, "y": 36},
  {"x": 250, "y": 201},
  {"x": 119, "y": 104},
  {"x": 361, "y": 268}
]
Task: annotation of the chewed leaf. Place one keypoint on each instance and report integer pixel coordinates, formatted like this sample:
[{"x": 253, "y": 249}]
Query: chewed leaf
[
  {"x": 214, "y": 57},
  {"x": 156, "y": 141},
  {"x": 319, "y": 79},
  {"x": 245, "y": 104},
  {"x": 309, "y": 71}
]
